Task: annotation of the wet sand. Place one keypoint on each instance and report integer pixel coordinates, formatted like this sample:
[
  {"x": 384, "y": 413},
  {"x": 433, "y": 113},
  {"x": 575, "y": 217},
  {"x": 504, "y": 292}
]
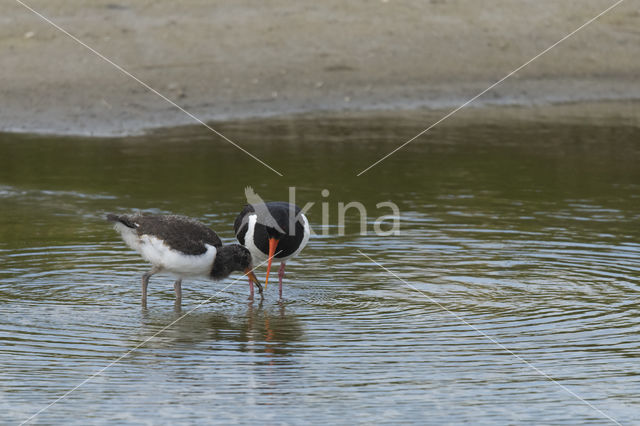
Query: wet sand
[{"x": 242, "y": 59}]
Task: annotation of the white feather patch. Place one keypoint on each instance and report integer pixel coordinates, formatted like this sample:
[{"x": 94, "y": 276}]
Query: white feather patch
[
  {"x": 257, "y": 256},
  {"x": 129, "y": 236},
  {"x": 157, "y": 252},
  {"x": 154, "y": 250},
  {"x": 305, "y": 238}
]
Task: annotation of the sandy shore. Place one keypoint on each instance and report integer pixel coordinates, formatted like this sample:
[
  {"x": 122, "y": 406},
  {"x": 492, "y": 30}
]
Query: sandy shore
[{"x": 236, "y": 59}]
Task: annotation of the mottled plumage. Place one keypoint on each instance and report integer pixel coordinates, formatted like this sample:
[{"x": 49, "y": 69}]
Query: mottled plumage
[
  {"x": 182, "y": 246},
  {"x": 180, "y": 233}
]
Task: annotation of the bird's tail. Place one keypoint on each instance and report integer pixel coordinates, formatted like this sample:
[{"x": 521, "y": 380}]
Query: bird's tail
[{"x": 125, "y": 220}]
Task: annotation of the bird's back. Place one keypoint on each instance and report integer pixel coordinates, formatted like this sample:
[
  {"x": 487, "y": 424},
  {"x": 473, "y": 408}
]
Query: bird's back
[{"x": 180, "y": 233}]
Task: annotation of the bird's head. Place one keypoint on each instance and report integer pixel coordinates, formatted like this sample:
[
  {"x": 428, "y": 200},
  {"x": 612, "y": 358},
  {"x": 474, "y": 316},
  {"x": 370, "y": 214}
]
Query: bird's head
[
  {"x": 232, "y": 258},
  {"x": 279, "y": 224}
]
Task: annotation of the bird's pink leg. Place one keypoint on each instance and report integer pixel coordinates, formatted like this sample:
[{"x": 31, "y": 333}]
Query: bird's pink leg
[
  {"x": 281, "y": 276},
  {"x": 250, "y": 289}
]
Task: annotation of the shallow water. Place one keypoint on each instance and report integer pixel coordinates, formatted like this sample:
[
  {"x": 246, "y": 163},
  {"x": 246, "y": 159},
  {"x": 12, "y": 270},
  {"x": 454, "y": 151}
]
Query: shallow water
[{"x": 510, "y": 295}]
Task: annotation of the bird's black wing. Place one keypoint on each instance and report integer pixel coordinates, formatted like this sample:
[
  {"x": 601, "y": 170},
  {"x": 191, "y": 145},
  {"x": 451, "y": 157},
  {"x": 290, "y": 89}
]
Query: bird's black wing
[
  {"x": 240, "y": 225},
  {"x": 178, "y": 232},
  {"x": 291, "y": 239}
]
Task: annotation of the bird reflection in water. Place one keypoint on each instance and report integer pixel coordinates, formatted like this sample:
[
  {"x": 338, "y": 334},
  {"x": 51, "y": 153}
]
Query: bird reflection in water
[{"x": 257, "y": 330}]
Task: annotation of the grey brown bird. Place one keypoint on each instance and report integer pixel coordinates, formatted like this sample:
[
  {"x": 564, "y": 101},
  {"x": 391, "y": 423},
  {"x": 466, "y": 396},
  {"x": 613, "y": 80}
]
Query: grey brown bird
[{"x": 183, "y": 247}]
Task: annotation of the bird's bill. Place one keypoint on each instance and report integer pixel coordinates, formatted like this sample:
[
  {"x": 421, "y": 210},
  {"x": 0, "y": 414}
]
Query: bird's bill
[
  {"x": 273, "y": 243},
  {"x": 249, "y": 273}
]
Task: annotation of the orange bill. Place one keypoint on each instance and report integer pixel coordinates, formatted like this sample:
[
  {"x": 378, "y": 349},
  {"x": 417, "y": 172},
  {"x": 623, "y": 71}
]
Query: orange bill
[{"x": 273, "y": 243}]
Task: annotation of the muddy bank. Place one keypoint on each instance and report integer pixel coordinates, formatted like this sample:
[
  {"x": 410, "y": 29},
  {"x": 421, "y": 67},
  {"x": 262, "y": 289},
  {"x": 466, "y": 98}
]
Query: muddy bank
[{"x": 233, "y": 60}]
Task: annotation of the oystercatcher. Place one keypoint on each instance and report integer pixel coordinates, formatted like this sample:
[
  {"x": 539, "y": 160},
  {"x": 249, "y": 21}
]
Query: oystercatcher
[
  {"x": 183, "y": 247},
  {"x": 264, "y": 227}
]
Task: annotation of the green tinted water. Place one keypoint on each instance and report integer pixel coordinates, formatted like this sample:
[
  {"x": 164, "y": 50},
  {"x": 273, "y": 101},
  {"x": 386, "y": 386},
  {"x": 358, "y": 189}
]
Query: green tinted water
[{"x": 525, "y": 233}]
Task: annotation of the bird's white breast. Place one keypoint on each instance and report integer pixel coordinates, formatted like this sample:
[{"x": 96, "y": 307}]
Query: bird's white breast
[
  {"x": 154, "y": 250},
  {"x": 257, "y": 256}
]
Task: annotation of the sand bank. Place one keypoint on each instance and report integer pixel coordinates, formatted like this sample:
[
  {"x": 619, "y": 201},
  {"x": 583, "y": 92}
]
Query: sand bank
[{"x": 239, "y": 59}]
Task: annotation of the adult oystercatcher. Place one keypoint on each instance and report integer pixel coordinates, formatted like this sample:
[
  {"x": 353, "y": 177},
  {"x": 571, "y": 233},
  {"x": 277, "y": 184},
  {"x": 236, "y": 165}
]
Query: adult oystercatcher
[
  {"x": 264, "y": 227},
  {"x": 182, "y": 246}
]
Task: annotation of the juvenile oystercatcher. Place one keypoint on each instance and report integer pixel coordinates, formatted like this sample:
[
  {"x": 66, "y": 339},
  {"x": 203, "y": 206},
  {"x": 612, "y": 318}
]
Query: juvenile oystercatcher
[
  {"x": 264, "y": 227},
  {"x": 183, "y": 247}
]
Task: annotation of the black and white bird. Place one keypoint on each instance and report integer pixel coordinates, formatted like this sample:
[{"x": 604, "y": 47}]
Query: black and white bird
[
  {"x": 264, "y": 228},
  {"x": 183, "y": 247}
]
